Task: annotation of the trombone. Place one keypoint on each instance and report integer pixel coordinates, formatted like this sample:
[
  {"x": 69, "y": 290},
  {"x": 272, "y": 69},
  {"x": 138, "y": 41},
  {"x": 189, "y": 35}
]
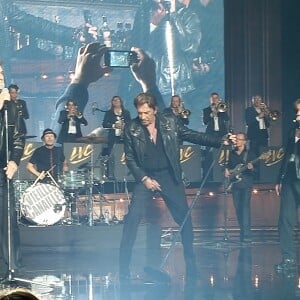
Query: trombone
[{"x": 273, "y": 115}]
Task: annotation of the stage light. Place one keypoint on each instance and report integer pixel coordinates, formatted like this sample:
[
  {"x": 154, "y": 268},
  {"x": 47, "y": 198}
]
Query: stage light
[
  {"x": 256, "y": 281},
  {"x": 170, "y": 48},
  {"x": 211, "y": 194},
  {"x": 44, "y": 76},
  {"x": 211, "y": 280},
  {"x": 255, "y": 191}
]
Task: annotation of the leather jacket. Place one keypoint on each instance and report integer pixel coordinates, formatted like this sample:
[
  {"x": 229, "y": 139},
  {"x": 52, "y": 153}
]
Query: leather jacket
[
  {"x": 172, "y": 131},
  {"x": 16, "y": 139},
  {"x": 186, "y": 38},
  {"x": 288, "y": 151}
]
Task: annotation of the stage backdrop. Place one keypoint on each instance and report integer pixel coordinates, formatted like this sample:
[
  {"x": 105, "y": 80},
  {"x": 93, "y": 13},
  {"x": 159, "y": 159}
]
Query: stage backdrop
[{"x": 42, "y": 68}]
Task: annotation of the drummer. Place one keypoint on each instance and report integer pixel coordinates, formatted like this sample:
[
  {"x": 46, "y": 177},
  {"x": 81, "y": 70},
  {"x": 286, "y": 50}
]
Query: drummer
[{"x": 47, "y": 161}]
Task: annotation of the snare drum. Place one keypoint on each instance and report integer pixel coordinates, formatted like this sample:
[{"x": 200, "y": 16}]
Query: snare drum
[
  {"x": 43, "y": 204},
  {"x": 72, "y": 180}
]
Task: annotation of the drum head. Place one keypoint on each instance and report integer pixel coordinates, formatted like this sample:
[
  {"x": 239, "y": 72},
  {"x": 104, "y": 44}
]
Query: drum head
[{"x": 43, "y": 204}]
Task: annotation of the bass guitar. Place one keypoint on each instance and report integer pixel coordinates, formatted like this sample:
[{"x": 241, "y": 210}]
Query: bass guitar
[{"x": 236, "y": 173}]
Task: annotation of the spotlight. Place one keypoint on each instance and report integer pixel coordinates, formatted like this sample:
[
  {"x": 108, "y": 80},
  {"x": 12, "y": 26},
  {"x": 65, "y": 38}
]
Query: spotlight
[
  {"x": 211, "y": 194},
  {"x": 256, "y": 281},
  {"x": 255, "y": 191},
  {"x": 212, "y": 280},
  {"x": 44, "y": 76}
]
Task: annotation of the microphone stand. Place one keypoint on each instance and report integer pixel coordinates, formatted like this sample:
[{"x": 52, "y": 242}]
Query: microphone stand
[{"x": 9, "y": 277}]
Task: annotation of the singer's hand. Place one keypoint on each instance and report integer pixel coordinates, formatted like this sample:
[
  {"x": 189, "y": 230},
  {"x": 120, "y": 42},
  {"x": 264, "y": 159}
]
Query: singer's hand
[
  {"x": 4, "y": 95},
  {"x": 11, "y": 169},
  {"x": 88, "y": 68}
]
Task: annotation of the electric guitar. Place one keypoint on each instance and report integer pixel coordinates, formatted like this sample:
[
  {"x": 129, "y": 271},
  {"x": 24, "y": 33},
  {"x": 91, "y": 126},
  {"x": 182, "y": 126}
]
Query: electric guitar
[{"x": 236, "y": 173}]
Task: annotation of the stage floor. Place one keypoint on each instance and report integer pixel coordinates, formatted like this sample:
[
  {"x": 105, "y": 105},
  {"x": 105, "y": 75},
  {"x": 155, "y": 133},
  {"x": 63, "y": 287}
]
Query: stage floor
[{"x": 225, "y": 271}]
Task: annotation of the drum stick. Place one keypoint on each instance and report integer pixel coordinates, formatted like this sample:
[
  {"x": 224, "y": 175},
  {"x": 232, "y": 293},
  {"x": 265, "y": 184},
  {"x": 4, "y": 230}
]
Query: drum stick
[
  {"x": 38, "y": 178},
  {"x": 53, "y": 180}
]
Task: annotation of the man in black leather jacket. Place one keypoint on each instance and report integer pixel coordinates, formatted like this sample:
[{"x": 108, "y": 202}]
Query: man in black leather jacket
[
  {"x": 152, "y": 143},
  {"x": 8, "y": 167},
  {"x": 288, "y": 187}
]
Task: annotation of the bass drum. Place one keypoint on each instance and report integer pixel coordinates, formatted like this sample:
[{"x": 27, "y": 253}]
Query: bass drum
[{"x": 43, "y": 204}]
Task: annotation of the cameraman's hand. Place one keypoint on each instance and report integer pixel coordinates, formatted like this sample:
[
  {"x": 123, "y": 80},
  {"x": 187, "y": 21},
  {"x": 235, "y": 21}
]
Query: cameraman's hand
[
  {"x": 88, "y": 68},
  {"x": 144, "y": 70}
]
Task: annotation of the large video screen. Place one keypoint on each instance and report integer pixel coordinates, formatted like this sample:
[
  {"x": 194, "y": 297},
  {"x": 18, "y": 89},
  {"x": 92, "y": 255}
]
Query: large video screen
[{"x": 187, "y": 46}]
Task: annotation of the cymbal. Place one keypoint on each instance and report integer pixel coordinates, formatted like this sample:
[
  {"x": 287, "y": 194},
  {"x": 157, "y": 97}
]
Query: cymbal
[
  {"x": 30, "y": 136},
  {"x": 92, "y": 139}
]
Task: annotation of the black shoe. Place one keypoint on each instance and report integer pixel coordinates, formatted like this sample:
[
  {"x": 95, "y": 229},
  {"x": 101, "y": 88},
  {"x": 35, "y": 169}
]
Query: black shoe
[{"x": 287, "y": 265}]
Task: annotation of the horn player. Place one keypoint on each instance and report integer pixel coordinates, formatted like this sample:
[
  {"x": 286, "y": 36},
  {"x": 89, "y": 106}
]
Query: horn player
[
  {"x": 257, "y": 122},
  {"x": 71, "y": 119}
]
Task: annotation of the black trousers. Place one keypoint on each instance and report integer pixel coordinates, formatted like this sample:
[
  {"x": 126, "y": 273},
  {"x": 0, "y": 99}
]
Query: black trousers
[
  {"x": 174, "y": 196},
  {"x": 290, "y": 197},
  {"x": 14, "y": 230},
  {"x": 241, "y": 200}
]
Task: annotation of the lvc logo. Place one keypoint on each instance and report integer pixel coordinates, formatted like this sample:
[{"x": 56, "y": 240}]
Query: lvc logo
[
  {"x": 80, "y": 154},
  {"x": 28, "y": 151}
]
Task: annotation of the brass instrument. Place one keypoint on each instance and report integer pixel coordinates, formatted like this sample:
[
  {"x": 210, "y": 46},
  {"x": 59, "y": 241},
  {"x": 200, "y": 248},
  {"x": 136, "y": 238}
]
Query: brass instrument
[
  {"x": 221, "y": 106},
  {"x": 184, "y": 113},
  {"x": 273, "y": 115}
]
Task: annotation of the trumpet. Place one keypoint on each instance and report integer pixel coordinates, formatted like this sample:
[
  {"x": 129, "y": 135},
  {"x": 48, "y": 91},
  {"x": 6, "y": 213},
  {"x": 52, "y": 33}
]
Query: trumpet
[
  {"x": 273, "y": 115},
  {"x": 74, "y": 113},
  {"x": 220, "y": 107},
  {"x": 182, "y": 111}
]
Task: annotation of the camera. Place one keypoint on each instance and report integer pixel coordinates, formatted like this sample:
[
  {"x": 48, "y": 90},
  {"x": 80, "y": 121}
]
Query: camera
[{"x": 119, "y": 58}]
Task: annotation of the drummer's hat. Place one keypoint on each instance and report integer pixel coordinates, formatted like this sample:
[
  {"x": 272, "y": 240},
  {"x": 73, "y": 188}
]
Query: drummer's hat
[{"x": 48, "y": 131}]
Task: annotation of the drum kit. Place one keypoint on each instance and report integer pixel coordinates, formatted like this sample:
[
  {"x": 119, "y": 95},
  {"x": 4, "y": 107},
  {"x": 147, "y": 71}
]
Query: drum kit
[{"x": 56, "y": 202}]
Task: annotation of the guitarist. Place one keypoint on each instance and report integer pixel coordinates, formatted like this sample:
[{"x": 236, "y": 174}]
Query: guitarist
[{"x": 242, "y": 188}]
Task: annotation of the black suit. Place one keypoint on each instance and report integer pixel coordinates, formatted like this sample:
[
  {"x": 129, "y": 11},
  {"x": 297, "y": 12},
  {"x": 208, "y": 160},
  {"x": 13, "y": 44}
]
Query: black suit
[
  {"x": 289, "y": 177},
  {"x": 64, "y": 136},
  {"x": 208, "y": 120},
  {"x": 24, "y": 115},
  {"x": 257, "y": 137},
  {"x": 110, "y": 118}
]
